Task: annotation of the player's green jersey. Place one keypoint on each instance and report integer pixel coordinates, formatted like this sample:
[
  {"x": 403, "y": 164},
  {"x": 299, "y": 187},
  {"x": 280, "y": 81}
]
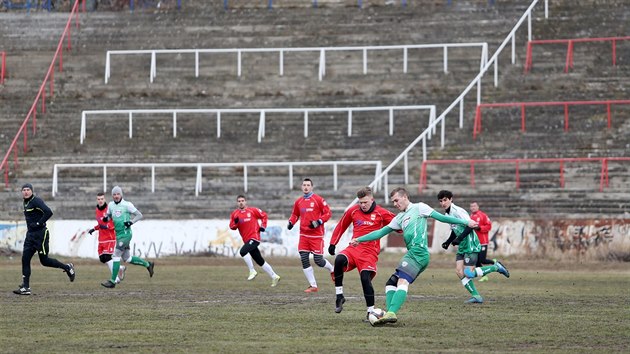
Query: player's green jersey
[
  {"x": 470, "y": 243},
  {"x": 121, "y": 212},
  {"x": 413, "y": 223}
]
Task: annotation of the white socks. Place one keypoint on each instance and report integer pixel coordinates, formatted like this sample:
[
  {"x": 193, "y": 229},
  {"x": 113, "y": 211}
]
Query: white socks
[
  {"x": 248, "y": 261},
  {"x": 310, "y": 276}
]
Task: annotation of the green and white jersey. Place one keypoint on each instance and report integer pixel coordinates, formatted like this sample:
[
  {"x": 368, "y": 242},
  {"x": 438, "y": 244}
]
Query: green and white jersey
[
  {"x": 120, "y": 213},
  {"x": 470, "y": 244},
  {"x": 413, "y": 223}
]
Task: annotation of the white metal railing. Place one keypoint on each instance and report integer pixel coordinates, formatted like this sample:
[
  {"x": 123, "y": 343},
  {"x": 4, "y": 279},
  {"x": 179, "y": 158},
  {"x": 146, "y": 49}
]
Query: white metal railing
[
  {"x": 321, "y": 50},
  {"x": 262, "y": 112},
  {"x": 201, "y": 166},
  {"x": 382, "y": 179}
]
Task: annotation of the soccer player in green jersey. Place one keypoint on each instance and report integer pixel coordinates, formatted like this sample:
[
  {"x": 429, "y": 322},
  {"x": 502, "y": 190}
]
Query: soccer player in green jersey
[
  {"x": 412, "y": 220},
  {"x": 468, "y": 249},
  {"x": 121, "y": 212}
]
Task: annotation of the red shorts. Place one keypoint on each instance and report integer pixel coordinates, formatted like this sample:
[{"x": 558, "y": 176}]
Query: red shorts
[
  {"x": 106, "y": 247},
  {"x": 314, "y": 245},
  {"x": 361, "y": 258}
]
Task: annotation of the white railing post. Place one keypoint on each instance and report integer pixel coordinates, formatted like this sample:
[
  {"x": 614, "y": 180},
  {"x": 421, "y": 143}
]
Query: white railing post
[
  {"x": 406, "y": 164},
  {"x": 442, "y": 133},
  {"x": 198, "y": 185},
  {"x": 105, "y": 178},
  {"x": 82, "y": 134},
  {"x": 152, "y": 178},
  {"x": 261, "y": 126},
  {"x": 239, "y": 63},
  {"x": 196, "y": 63},
  {"x": 445, "y": 59},
  {"x": 107, "y": 67},
  {"x": 496, "y": 71},
  {"x": 245, "y": 177},
  {"x": 461, "y": 113},
  {"x": 306, "y": 123},
  {"x": 391, "y": 122},
  {"x": 513, "y": 49},
  {"x": 130, "y": 125},
  {"x": 281, "y": 62},
  {"x": 322, "y": 64},
  {"x": 153, "y": 69},
  {"x": 290, "y": 176},
  {"x": 546, "y": 8},
  {"x": 364, "y": 61},
  {"x": 529, "y": 25},
  {"x": 174, "y": 124},
  {"x": 479, "y": 91},
  {"x": 54, "y": 183},
  {"x": 335, "y": 176},
  {"x": 218, "y": 124},
  {"x": 349, "y": 122},
  {"x": 405, "y": 60},
  {"x": 424, "y": 148}
]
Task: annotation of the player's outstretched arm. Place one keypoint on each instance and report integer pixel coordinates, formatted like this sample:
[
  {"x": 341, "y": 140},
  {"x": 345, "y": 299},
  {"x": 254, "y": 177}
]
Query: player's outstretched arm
[
  {"x": 452, "y": 220},
  {"x": 374, "y": 235}
]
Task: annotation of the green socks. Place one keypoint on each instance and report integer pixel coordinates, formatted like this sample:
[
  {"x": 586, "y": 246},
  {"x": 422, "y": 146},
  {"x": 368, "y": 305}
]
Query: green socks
[{"x": 139, "y": 261}]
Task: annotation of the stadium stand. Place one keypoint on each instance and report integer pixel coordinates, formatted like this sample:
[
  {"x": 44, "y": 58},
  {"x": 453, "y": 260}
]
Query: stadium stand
[{"x": 83, "y": 88}]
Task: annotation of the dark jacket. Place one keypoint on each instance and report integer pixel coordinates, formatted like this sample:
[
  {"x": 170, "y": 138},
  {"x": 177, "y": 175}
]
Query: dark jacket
[{"x": 36, "y": 213}]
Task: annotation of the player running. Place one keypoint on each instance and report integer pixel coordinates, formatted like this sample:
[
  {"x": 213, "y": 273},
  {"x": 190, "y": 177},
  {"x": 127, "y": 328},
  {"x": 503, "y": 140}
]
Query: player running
[
  {"x": 468, "y": 249},
  {"x": 106, "y": 237},
  {"x": 250, "y": 222}
]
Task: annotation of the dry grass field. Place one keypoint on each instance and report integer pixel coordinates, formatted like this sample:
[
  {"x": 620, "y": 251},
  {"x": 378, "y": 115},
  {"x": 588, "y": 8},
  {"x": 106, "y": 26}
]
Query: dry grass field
[{"x": 205, "y": 304}]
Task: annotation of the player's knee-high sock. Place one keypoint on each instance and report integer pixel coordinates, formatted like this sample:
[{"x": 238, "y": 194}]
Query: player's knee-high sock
[
  {"x": 470, "y": 286},
  {"x": 368, "y": 289},
  {"x": 389, "y": 295},
  {"x": 481, "y": 271},
  {"x": 248, "y": 260},
  {"x": 398, "y": 298},
  {"x": 139, "y": 261},
  {"x": 267, "y": 268},
  {"x": 329, "y": 266},
  {"x": 390, "y": 289},
  {"x": 340, "y": 264},
  {"x": 115, "y": 269},
  {"x": 310, "y": 276},
  {"x": 110, "y": 265}
]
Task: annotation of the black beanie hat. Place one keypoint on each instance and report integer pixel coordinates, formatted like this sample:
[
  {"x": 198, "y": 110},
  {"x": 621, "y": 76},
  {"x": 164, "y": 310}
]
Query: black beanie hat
[{"x": 29, "y": 186}]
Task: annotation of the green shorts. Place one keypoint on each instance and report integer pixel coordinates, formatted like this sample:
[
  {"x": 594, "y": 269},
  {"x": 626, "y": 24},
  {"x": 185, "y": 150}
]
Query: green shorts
[
  {"x": 470, "y": 259},
  {"x": 412, "y": 264}
]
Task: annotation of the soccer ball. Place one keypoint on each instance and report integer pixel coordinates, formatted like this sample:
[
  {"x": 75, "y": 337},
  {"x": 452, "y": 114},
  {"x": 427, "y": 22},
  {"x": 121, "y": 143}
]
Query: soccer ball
[{"x": 375, "y": 315}]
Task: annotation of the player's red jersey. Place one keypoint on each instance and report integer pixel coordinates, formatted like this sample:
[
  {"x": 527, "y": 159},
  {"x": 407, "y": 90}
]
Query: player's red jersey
[
  {"x": 363, "y": 223},
  {"x": 484, "y": 226},
  {"x": 308, "y": 209},
  {"x": 106, "y": 230},
  {"x": 248, "y": 225}
]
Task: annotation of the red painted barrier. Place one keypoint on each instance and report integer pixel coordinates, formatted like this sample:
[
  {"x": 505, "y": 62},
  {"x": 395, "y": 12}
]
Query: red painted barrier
[
  {"x": 41, "y": 95},
  {"x": 603, "y": 179},
  {"x": 522, "y": 105},
  {"x": 570, "y": 44}
]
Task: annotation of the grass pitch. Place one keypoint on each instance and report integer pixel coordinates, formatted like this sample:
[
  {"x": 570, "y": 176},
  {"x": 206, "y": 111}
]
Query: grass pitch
[{"x": 207, "y": 305}]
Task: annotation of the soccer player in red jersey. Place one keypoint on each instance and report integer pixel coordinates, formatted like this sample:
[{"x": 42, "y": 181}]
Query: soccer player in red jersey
[
  {"x": 313, "y": 212},
  {"x": 250, "y": 222},
  {"x": 106, "y": 236},
  {"x": 365, "y": 217},
  {"x": 485, "y": 225}
]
